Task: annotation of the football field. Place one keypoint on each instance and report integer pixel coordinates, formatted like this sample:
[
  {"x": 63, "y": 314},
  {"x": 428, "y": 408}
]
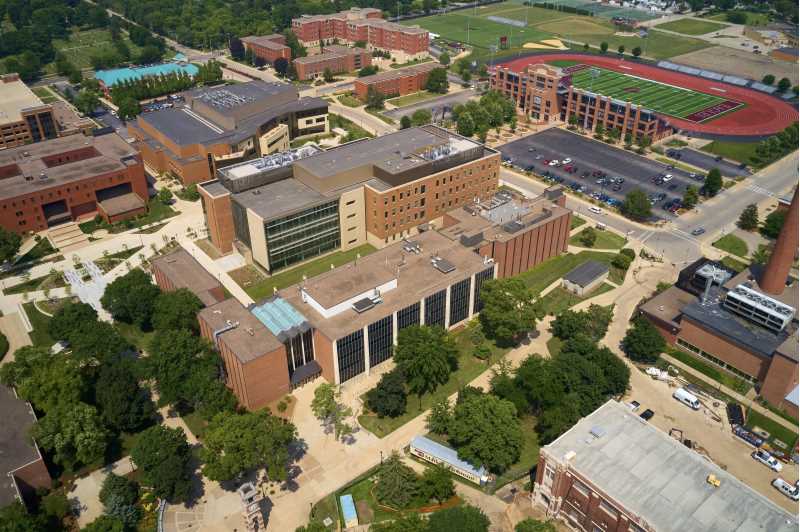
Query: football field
[{"x": 659, "y": 97}]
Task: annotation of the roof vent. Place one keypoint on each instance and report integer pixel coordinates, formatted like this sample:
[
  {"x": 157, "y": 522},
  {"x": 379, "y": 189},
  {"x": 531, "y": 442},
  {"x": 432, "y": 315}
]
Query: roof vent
[{"x": 597, "y": 431}]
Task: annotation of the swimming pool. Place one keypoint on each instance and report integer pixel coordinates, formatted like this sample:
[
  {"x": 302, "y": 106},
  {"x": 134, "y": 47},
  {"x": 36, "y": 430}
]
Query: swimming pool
[{"x": 117, "y": 75}]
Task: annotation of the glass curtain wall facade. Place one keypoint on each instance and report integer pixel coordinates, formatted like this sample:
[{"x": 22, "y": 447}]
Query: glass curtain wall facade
[
  {"x": 408, "y": 316},
  {"x": 380, "y": 340},
  {"x": 303, "y": 235},
  {"x": 299, "y": 351},
  {"x": 434, "y": 308},
  {"x": 459, "y": 301},
  {"x": 481, "y": 278},
  {"x": 350, "y": 353}
]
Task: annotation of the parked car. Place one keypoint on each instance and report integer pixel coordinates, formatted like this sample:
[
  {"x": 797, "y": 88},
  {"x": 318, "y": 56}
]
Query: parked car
[
  {"x": 790, "y": 490},
  {"x": 647, "y": 415},
  {"x": 699, "y": 231},
  {"x": 567, "y": 160},
  {"x": 687, "y": 398},
  {"x": 554, "y": 162},
  {"x": 667, "y": 177},
  {"x": 760, "y": 455},
  {"x": 634, "y": 406}
]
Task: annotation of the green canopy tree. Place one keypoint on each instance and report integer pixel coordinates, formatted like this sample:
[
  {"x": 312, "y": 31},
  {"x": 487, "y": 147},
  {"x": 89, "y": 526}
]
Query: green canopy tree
[
  {"x": 124, "y": 404},
  {"x": 388, "y": 398},
  {"x": 463, "y": 518},
  {"x": 440, "y": 416},
  {"x": 9, "y": 244},
  {"x": 532, "y": 525},
  {"x": 437, "y": 81},
  {"x": 397, "y": 483},
  {"x": 328, "y": 409},
  {"x": 162, "y": 455},
  {"x": 176, "y": 309},
  {"x": 508, "y": 309},
  {"x": 690, "y": 197},
  {"x": 444, "y": 58},
  {"x": 642, "y": 342},
  {"x": 556, "y": 420},
  {"x": 604, "y": 47},
  {"x": 748, "y": 219},
  {"x": 713, "y": 183},
  {"x": 636, "y": 206},
  {"x": 405, "y": 122},
  {"x": 131, "y": 298},
  {"x": 73, "y": 433},
  {"x": 104, "y": 523},
  {"x": 588, "y": 237},
  {"x": 44, "y": 379},
  {"x": 436, "y": 483},
  {"x": 426, "y": 356},
  {"x": 773, "y": 224},
  {"x": 421, "y": 117},
  {"x": 236, "y": 443},
  {"x": 485, "y": 431}
]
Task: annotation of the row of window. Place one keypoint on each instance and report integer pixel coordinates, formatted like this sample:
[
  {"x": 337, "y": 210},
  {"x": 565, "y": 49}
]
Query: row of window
[{"x": 714, "y": 360}]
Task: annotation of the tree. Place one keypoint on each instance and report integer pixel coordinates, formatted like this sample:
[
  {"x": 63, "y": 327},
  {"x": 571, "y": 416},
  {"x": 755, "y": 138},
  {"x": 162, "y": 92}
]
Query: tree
[
  {"x": 15, "y": 518},
  {"x": 485, "y": 431},
  {"x": 773, "y": 224},
  {"x": 466, "y": 77},
  {"x": 327, "y": 408},
  {"x": 388, "y": 398},
  {"x": 532, "y": 525},
  {"x": 411, "y": 522},
  {"x": 463, "y": 518},
  {"x": 426, "y": 356},
  {"x": 588, "y": 237},
  {"x": 9, "y": 244},
  {"x": 297, "y": 49},
  {"x": 444, "y": 58},
  {"x": 438, "y": 420},
  {"x": 149, "y": 55},
  {"x": 761, "y": 255},
  {"x": 769, "y": 79},
  {"x": 508, "y": 309},
  {"x": 636, "y": 205},
  {"x": 44, "y": 379},
  {"x": 176, "y": 309},
  {"x": 645, "y": 141},
  {"x": 637, "y": 51},
  {"x": 104, "y": 523},
  {"x": 586, "y": 47},
  {"x": 436, "y": 483},
  {"x": 128, "y": 108},
  {"x": 643, "y": 343},
  {"x": 397, "y": 483},
  {"x": 465, "y": 125},
  {"x": 236, "y": 443},
  {"x": 604, "y": 47},
  {"x": 327, "y": 75},
  {"x": 690, "y": 197},
  {"x": 736, "y": 17},
  {"x": 748, "y": 219},
  {"x": 131, "y": 298},
  {"x": 367, "y": 71},
  {"x": 437, "y": 81},
  {"x": 599, "y": 129},
  {"x": 557, "y": 419},
  {"x": 421, "y": 117},
  {"x": 172, "y": 362},
  {"x": 165, "y": 196},
  {"x": 281, "y": 65},
  {"x": 124, "y": 405},
  {"x": 126, "y": 490},
  {"x": 713, "y": 183},
  {"x": 236, "y": 47},
  {"x": 375, "y": 98},
  {"x": 621, "y": 49},
  {"x": 405, "y": 122},
  {"x": 784, "y": 85},
  {"x": 162, "y": 455},
  {"x": 87, "y": 101},
  {"x": 73, "y": 433}
]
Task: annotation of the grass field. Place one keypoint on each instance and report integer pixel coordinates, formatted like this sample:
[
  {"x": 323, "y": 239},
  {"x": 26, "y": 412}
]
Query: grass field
[
  {"x": 416, "y": 97},
  {"x": 742, "y": 152},
  {"x": 732, "y": 244},
  {"x": 661, "y": 98},
  {"x": 753, "y": 18},
  {"x": 540, "y": 277},
  {"x": 604, "y": 240},
  {"x": 558, "y": 300},
  {"x": 83, "y": 44},
  {"x": 478, "y": 31},
  {"x": 691, "y": 26}
]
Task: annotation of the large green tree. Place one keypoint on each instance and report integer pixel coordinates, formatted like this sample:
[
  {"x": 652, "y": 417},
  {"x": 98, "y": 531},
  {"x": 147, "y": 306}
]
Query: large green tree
[
  {"x": 532, "y": 525},
  {"x": 177, "y": 310},
  {"x": 327, "y": 407},
  {"x": 162, "y": 455},
  {"x": 437, "y": 80},
  {"x": 131, "y": 298},
  {"x": 44, "y": 379},
  {"x": 643, "y": 343},
  {"x": 124, "y": 404},
  {"x": 437, "y": 483},
  {"x": 16, "y": 518},
  {"x": 713, "y": 182},
  {"x": 426, "y": 356},
  {"x": 104, "y": 523},
  {"x": 9, "y": 244},
  {"x": 773, "y": 224},
  {"x": 73, "y": 433},
  {"x": 485, "y": 431},
  {"x": 508, "y": 309},
  {"x": 636, "y": 205},
  {"x": 440, "y": 416},
  {"x": 397, "y": 483},
  {"x": 748, "y": 219},
  {"x": 236, "y": 443},
  {"x": 388, "y": 398},
  {"x": 463, "y": 518}
]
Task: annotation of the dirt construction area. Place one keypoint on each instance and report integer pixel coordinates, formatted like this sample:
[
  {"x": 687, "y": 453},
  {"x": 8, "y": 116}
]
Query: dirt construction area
[
  {"x": 722, "y": 447},
  {"x": 739, "y": 63}
]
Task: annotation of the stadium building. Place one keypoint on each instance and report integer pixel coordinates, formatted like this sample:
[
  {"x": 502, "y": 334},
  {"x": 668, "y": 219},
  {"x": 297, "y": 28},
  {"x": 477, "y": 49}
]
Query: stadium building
[
  {"x": 223, "y": 125},
  {"x": 366, "y": 25},
  {"x": 545, "y": 93},
  {"x": 745, "y": 324}
]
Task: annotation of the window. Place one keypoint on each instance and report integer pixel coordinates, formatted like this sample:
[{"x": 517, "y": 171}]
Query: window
[
  {"x": 302, "y": 235},
  {"x": 434, "y": 308},
  {"x": 380, "y": 339},
  {"x": 408, "y": 316},
  {"x": 580, "y": 488},
  {"x": 610, "y": 510},
  {"x": 350, "y": 353},
  {"x": 459, "y": 301},
  {"x": 549, "y": 475}
]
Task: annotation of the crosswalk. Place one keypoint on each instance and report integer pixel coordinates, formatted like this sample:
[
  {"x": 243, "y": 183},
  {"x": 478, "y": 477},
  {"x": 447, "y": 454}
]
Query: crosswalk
[{"x": 761, "y": 190}]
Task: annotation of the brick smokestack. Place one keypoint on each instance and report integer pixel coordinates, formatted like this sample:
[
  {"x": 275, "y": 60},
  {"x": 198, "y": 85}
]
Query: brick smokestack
[{"x": 773, "y": 280}]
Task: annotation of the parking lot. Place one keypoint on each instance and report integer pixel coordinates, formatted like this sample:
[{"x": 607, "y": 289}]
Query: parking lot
[
  {"x": 707, "y": 162},
  {"x": 595, "y": 168}
]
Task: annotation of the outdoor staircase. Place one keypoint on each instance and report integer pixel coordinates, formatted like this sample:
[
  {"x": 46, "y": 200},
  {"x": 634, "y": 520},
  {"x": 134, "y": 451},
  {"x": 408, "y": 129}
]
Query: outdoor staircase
[{"x": 68, "y": 237}]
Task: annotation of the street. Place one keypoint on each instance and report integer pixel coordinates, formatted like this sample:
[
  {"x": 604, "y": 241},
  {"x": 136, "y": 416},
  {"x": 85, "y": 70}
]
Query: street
[{"x": 435, "y": 105}]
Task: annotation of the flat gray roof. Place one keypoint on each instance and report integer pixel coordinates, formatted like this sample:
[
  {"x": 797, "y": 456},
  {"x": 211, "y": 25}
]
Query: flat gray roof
[
  {"x": 668, "y": 305},
  {"x": 249, "y": 339},
  {"x": 185, "y": 272},
  {"x": 587, "y": 272},
  {"x": 660, "y": 480},
  {"x": 279, "y": 198},
  {"x": 16, "y": 446}
]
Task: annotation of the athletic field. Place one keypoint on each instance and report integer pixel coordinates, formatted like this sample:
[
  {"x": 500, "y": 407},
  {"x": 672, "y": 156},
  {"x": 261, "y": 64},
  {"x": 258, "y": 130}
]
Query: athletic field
[{"x": 659, "y": 97}]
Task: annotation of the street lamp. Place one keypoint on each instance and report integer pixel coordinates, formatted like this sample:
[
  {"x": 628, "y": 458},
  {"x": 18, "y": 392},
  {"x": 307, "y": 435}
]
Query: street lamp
[{"x": 381, "y": 457}]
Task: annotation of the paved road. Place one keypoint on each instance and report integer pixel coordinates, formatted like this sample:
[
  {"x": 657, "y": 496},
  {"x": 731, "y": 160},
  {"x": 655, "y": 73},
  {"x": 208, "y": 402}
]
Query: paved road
[
  {"x": 371, "y": 123},
  {"x": 434, "y": 105},
  {"x": 707, "y": 162}
]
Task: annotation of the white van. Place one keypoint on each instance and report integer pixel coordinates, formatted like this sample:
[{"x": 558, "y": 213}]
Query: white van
[
  {"x": 686, "y": 398},
  {"x": 596, "y": 210}
]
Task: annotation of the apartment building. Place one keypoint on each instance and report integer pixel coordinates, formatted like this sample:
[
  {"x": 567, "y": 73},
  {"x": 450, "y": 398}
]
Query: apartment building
[
  {"x": 336, "y": 58},
  {"x": 268, "y": 47},
  {"x": 67, "y": 178},
  {"x": 545, "y": 94},
  {"x": 218, "y": 126},
  {"x": 614, "y": 471},
  {"x": 396, "y": 82},
  {"x": 362, "y": 25}
]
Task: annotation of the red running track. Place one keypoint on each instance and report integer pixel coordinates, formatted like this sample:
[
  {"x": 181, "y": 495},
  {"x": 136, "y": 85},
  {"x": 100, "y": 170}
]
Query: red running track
[{"x": 763, "y": 114}]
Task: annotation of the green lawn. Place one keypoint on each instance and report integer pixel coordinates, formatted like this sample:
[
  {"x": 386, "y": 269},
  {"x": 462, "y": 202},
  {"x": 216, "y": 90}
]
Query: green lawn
[
  {"x": 138, "y": 338},
  {"x": 666, "y": 99},
  {"x": 742, "y": 152},
  {"x": 354, "y": 132},
  {"x": 558, "y": 300},
  {"x": 156, "y": 211},
  {"x": 42, "y": 249},
  {"x": 39, "y": 336},
  {"x": 483, "y": 33},
  {"x": 691, "y": 26},
  {"x": 469, "y": 368},
  {"x": 685, "y": 167},
  {"x": 411, "y": 63},
  {"x": 265, "y": 288},
  {"x": 81, "y": 45},
  {"x": 543, "y": 275},
  {"x": 111, "y": 261},
  {"x": 554, "y": 346},
  {"x": 39, "y": 283},
  {"x": 732, "y": 244},
  {"x": 753, "y": 18},
  {"x": 733, "y": 264},
  {"x": 416, "y": 97},
  {"x": 576, "y": 221},
  {"x": 776, "y": 430},
  {"x": 529, "y": 456},
  {"x": 45, "y": 94},
  {"x": 604, "y": 240},
  {"x": 349, "y": 100},
  {"x": 380, "y": 115},
  {"x": 709, "y": 370}
]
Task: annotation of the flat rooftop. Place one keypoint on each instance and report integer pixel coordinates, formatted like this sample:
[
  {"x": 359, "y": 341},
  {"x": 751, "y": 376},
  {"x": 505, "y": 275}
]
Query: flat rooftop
[
  {"x": 266, "y": 41},
  {"x": 400, "y": 73},
  {"x": 30, "y": 174},
  {"x": 660, "y": 480},
  {"x": 584, "y": 274},
  {"x": 185, "y": 272},
  {"x": 331, "y": 52},
  {"x": 14, "y": 97},
  {"x": 415, "y": 276},
  {"x": 248, "y": 339},
  {"x": 16, "y": 446},
  {"x": 280, "y": 198},
  {"x": 750, "y": 276},
  {"x": 668, "y": 305}
]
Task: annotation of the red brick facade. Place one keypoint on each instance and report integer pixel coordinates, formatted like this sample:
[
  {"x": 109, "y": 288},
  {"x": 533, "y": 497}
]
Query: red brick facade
[
  {"x": 339, "y": 59},
  {"x": 396, "y": 82},
  {"x": 268, "y": 47}
]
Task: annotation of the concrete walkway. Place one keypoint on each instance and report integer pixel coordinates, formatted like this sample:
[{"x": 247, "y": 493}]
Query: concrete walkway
[{"x": 85, "y": 495}]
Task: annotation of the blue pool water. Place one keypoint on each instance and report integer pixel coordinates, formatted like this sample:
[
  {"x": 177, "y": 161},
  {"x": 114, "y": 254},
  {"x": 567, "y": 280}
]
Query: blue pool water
[{"x": 117, "y": 75}]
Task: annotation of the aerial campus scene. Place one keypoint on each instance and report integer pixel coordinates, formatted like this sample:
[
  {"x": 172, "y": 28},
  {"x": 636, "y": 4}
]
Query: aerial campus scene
[{"x": 416, "y": 266}]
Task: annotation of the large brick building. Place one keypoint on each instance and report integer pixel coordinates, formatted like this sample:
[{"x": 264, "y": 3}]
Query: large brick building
[
  {"x": 338, "y": 59},
  {"x": 223, "y": 125},
  {"x": 63, "y": 179},
  {"x": 745, "y": 324},
  {"x": 362, "y": 25},
  {"x": 268, "y": 47},
  {"x": 179, "y": 269},
  {"x": 615, "y": 472},
  {"x": 396, "y": 82},
  {"x": 545, "y": 94}
]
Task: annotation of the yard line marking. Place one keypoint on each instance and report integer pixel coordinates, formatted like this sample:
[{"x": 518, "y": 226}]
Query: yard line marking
[{"x": 625, "y": 67}]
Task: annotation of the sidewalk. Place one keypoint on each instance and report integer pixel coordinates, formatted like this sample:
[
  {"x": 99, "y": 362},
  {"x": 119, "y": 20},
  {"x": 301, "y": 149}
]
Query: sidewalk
[{"x": 739, "y": 397}]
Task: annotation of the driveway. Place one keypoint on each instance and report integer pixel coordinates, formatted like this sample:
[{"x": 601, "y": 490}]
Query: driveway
[{"x": 707, "y": 162}]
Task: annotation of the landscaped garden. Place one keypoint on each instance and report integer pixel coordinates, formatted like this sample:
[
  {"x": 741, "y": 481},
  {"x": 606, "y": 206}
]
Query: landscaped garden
[
  {"x": 156, "y": 211},
  {"x": 540, "y": 277},
  {"x": 595, "y": 239},
  {"x": 560, "y": 299}
]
